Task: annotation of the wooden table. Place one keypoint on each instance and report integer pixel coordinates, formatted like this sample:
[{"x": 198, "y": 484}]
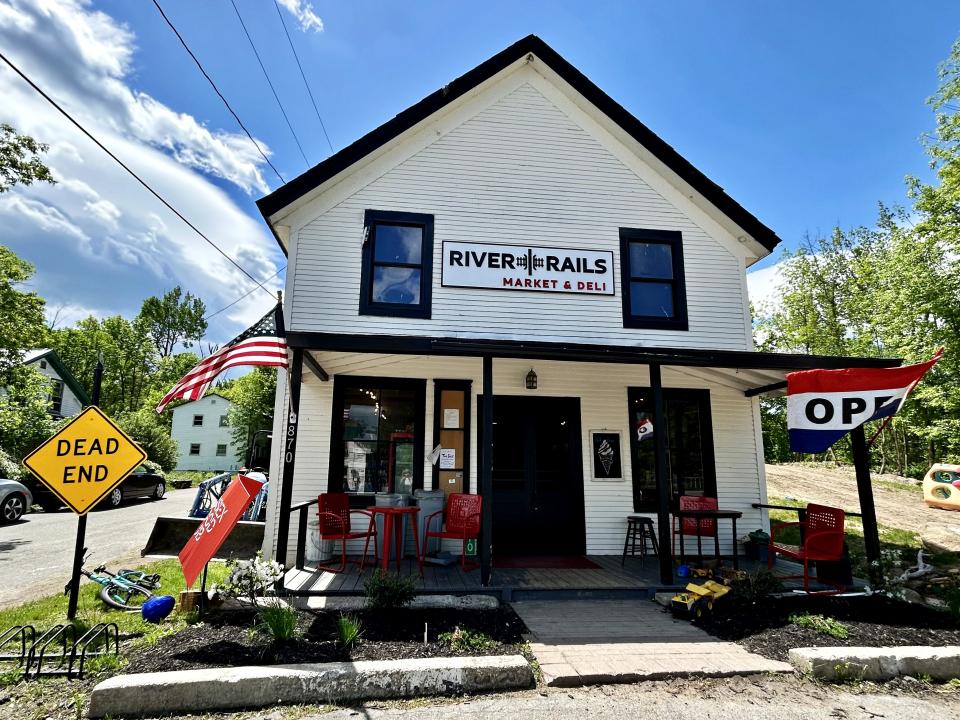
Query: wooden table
[
  {"x": 394, "y": 530},
  {"x": 716, "y": 516}
]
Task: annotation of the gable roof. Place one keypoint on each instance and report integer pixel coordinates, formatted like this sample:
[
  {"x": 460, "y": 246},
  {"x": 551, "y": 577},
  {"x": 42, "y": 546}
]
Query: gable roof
[
  {"x": 50, "y": 355},
  {"x": 340, "y": 161}
]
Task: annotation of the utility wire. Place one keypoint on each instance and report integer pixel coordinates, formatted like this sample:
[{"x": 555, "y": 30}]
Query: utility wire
[
  {"x": 227, "y": 307},
  {"x": 217, "y": 91},
  {"x": 267, "y": 77},
  {"x": 302, "y": 74},
  {"x": 122, "y": 164}
]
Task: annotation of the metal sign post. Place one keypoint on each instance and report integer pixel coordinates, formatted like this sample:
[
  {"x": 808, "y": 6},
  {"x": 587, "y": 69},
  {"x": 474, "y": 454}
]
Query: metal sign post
[{"x": 82, "y": 520}]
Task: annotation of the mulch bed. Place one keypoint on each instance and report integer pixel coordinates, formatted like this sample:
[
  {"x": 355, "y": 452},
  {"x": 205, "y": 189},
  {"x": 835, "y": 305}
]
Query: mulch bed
[
  {"x": 765, "y": 628},
  {"x": 227, "y": 638}
]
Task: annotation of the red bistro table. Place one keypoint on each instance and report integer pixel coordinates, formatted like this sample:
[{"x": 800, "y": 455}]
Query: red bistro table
[{"x": 393, "y": 531}]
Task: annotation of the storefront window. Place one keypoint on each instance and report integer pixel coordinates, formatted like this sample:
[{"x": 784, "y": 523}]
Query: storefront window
[
  {"x": 690, "y": 461},
  {"x": 378, "y": 443}
]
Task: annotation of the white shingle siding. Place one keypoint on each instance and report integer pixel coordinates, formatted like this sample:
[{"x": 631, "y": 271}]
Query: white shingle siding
[{"x": 209, "y": 435}]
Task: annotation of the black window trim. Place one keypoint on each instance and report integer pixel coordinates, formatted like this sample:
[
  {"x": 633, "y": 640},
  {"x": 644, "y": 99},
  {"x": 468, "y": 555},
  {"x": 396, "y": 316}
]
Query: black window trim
[
  {"x": 423, "y": 309},
  {"x": 673, "y": 238},
  {"x": 703, "y": 398},
  {"x": 335, "y": 467}
]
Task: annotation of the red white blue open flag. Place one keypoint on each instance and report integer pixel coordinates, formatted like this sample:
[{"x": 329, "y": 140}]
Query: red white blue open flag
[
  {"x": 263, "y": 344},
  {"x": 824, "y": 405}
]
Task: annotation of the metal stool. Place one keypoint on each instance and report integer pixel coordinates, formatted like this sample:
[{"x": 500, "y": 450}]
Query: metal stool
[{"x": 639, "y": 528}]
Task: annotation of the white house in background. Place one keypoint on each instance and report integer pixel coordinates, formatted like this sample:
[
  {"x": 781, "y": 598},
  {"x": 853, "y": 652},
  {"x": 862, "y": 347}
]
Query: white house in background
[
  {"x": 203, "y": 433},
  {"x": 67, "y": 396},
  {"x": 517, "y": 271}
]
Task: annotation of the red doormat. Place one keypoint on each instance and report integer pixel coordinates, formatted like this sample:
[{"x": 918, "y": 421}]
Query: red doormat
[{"x": 563, "y": 562}]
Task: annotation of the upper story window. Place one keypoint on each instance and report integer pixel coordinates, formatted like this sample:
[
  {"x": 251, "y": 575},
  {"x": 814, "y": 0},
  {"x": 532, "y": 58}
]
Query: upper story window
[
  {"x": 56, "y": 397},
  {"x": 397, "y": 273},
  {"x": 198, "y": 420},
  {"x": 224, "y": 421},
  {"x": 652, "y": 285}
]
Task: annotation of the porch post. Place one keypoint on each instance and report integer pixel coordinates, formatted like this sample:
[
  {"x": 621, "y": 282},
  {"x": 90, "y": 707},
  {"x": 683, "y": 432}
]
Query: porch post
[
  {"x": 871, "y": 534},
  {"x": 289, "y": 456},
  {"x": 662, "y": 478},
  {"x": 486, "y": 474}
]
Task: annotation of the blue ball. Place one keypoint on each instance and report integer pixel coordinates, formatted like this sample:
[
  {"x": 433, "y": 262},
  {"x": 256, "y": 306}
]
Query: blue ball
[{"x": 157, "y": 608}]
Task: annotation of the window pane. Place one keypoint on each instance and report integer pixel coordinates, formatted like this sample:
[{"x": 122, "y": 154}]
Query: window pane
[
  {"x": 396, "y": 285},
  {"x": 360, "y": 466},
  {"x": 650, "y": 299},
  {"x": 651, "y": 260},
  {"x": 397, "y": 244},
  {"x": 360, "y": 413}
]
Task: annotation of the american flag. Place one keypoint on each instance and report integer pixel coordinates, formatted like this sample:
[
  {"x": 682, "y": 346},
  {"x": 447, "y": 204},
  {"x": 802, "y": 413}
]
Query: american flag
[{"x": 263, "y": 344}]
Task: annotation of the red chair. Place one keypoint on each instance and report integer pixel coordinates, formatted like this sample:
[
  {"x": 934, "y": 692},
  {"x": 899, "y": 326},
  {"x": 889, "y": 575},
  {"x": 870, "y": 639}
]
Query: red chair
[
  {"x": 335, "y": 524},
  {"x": 689, "y": 526},
  {"x": 822, "y": 538},
  {"x": 462, "y": 516}
]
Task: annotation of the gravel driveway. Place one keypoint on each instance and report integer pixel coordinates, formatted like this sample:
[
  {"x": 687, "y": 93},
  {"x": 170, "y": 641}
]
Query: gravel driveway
[{"x": 36, "y": 553}]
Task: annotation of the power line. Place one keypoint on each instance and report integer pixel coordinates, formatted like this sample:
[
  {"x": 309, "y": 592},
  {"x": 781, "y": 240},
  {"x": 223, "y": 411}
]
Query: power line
[
  {"x": 217, "y": 91},
  {"x": 122, "y": 164},
  {"x": 227, "y": 307},
  {"x": 302, "y": 74},
  {"x": 267, "y": 77}
]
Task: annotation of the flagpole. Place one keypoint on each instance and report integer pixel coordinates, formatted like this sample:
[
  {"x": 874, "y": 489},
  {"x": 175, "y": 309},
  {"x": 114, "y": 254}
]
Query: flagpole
[{"x": 868, "y": 511}]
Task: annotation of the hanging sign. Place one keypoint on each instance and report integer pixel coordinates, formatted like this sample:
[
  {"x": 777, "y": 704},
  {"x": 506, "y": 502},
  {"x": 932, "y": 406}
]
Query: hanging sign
[
  {"x": 216, "y": 526},
  {"x": 527, "y": 268},
  {"x": 87, "y": 459}
]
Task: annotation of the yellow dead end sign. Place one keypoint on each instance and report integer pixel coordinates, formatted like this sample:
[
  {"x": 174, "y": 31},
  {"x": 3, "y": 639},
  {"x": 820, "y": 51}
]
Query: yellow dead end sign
[{"x": 87, "y": 459}]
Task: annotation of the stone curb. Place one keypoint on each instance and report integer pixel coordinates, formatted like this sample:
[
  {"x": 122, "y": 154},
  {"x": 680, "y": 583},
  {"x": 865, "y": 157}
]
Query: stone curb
[
  {"x": 840, "y": 664},
  {"x": 196, "y": 691}
]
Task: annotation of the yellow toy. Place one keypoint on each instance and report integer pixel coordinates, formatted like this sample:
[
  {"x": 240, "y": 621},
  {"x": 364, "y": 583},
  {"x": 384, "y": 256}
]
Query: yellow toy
[
  {"x": 698, "y": 599},
  {"x": 941, "y": 487}
]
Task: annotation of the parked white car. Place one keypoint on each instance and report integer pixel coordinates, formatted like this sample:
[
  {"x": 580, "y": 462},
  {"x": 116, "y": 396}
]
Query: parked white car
[{"x": 15, "y": 500}]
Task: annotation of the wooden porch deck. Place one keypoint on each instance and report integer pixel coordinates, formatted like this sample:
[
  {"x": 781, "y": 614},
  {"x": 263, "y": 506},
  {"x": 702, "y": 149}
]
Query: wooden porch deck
[{"x": 635, "y": 579}]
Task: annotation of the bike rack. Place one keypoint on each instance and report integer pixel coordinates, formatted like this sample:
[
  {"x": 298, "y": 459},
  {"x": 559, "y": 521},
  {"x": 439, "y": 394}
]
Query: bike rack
[
  {"x": 67, "y": 634},
  {"x": 17, "y": 632},
  {"x": 105, "y": 632}
]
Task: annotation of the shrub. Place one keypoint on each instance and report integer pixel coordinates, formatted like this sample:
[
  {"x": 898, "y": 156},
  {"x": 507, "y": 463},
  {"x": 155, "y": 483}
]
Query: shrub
[
  {"x": 149, "y": 432},
  {"x": 249, "y": 579},
  {"x": 349, "y": 629},
  {"x": 385, "y": 591},
  {"x": 823, "y": 625},
  {"x": 278, "y": 620},
  {"x": 463, "y": 639},
  {"x": 9, "y": 468},
  {"x": 756, "y": 586}
]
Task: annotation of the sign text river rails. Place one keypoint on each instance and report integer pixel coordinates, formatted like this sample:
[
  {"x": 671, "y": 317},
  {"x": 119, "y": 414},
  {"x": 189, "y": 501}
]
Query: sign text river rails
[{"x": 524, "y": 267}]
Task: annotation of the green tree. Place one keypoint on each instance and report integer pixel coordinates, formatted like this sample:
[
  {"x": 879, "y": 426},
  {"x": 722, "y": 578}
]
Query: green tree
[
  {"x": 176, "y": 317},
  {"x": 20, "y": 162},
  {"x": 22, "y": 324},
  {"x": 252, "y": 396},
  {"x": 150, "y": 433},
  {"x": 25, "y": 421}
]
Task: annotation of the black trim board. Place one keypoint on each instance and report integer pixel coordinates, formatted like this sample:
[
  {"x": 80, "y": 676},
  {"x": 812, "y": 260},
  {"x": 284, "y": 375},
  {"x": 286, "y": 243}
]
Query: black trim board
[
  {"x": 68, "y": 378},
  {"x": 340, "y": 161},
  {"x": 465, "y": 347}
]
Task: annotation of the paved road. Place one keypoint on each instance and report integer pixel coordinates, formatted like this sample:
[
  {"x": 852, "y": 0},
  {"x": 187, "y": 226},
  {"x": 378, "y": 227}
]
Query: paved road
[{"x": 35, "y": 553}]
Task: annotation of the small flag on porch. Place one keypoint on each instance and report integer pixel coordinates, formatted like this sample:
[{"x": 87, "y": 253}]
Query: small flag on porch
[
  {"x": 645, "y": 429},
  {"x": 263, "y": 344},
  {"x": 824, "y": 405}
]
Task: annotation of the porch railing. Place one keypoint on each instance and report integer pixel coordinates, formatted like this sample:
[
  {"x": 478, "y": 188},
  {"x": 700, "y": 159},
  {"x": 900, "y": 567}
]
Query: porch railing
[{"x": 302, "y": 509}]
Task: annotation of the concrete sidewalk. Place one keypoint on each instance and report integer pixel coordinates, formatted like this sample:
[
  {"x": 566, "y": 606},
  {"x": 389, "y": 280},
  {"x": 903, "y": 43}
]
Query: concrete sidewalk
[{"x": 585, "y": 642}]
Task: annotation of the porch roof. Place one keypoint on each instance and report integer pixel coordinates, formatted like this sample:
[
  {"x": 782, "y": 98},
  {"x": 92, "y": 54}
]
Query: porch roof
[{"x": 753, "y": 372}]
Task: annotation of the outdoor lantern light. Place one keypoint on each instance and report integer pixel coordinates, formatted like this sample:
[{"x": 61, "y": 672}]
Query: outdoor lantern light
[{"x": 531, "y": 380}]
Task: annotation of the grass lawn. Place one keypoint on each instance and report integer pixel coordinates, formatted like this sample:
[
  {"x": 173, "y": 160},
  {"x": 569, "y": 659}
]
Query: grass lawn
[{"x": 194, "y": 476}]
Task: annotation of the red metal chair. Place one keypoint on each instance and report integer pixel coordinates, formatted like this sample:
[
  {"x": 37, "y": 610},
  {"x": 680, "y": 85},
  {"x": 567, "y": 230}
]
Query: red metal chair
[
  {"x": 462, "y": 516},
  {"x": 335, "y": 524},
  {"x": 822, "y": 539},
  {"x": 688, "y": 526}
]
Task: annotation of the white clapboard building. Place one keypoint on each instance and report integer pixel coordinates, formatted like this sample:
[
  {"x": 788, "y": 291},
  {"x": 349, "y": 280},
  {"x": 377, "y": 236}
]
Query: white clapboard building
[
  {"x": 517, "y": 272},
  {"x": 204, "y": 436}
]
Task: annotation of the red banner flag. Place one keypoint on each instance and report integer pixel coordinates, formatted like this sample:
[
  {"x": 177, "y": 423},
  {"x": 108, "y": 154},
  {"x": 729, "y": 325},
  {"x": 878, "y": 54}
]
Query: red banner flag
[{"x": 216, "y": 526}]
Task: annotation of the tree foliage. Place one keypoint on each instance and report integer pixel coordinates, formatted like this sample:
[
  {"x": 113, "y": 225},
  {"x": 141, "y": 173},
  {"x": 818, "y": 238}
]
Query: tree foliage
[
  {"x": 150, "y": 433},
  {"x": 20, "y": 162},
  {"x": 252, "y": 396},
  {"x": 174, "y": 318}
]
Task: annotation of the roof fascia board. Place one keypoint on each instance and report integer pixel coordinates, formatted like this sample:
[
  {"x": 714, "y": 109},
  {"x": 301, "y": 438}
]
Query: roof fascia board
[
  {"x": 374, "y": 165},
  {"x": 648, "y": 166}
]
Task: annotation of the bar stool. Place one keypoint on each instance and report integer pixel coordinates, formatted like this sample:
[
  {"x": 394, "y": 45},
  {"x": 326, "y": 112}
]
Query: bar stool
[{"x": 639, "y": 528}]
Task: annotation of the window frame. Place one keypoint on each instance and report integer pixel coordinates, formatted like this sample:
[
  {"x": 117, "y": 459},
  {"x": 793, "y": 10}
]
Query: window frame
[
  {"x": 192, "y": 446},
  {"x": 195, "y": 423},
  {"x": 371, "y": 219},
  {"x": 224, "y": 421},
  {"x": 224, "y": 453},
  {"x": 56, "y": 396},
  {"x": 673, "y": 239},
  {"x": 335, "y": 467}
]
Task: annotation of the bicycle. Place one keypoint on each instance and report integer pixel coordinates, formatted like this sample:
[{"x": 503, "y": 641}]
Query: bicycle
[{"x": 123, "y": 590}]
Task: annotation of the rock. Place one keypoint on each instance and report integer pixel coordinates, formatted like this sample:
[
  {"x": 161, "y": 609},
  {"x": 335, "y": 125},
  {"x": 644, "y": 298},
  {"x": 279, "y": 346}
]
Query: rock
[
  {"x": 912, "y": 596},
  {"x": 942, "y": 535}
]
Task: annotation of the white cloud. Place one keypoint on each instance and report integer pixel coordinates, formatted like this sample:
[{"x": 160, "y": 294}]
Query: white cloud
[
  {"x": 304, "y": 13},
  {"x": 763, "y": 286},
  {"x": 100, "y": 241}
]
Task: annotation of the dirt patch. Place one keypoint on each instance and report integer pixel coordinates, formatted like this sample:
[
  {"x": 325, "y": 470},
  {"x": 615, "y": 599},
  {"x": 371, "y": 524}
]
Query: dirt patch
[
  {"x": 765, "y": 627},
  {"x": 228, "y": 638},
  {"x": 898, "y": 508}
]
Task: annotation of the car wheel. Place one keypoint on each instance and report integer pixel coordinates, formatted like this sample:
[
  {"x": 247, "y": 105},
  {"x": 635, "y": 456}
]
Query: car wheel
[
  {"x": 160, "y": 490},
  {"x": 115, "y": 497},
  {"x": 13, "y": 508}
]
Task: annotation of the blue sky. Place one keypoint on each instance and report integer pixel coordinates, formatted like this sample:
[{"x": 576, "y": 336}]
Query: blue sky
[{"x": 808, "y": 114}]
